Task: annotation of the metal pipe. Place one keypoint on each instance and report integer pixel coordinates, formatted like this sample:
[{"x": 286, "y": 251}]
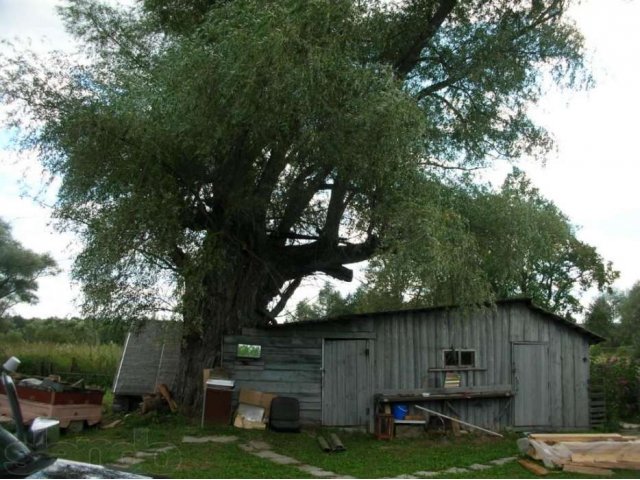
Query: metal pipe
[
  {"x": 12, "y": 395},
  {"x": 459, "y": 421}
]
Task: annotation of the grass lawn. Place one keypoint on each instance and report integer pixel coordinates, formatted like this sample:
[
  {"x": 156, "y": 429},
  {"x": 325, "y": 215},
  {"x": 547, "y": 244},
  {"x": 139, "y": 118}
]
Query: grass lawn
[{"x": 365, "y": 457}]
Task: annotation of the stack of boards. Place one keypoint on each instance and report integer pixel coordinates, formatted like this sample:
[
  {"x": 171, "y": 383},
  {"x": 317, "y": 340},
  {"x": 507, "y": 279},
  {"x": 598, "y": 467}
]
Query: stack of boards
[{"x": 591, "y": 453}]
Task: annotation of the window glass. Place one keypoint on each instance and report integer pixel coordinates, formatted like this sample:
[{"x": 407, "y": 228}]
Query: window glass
[
  {"x": 249, "y": 351},
  {"x": 459, "y": 358},
  {"x": 467, "y": 358},
  {"x": 450, "y": 358}
]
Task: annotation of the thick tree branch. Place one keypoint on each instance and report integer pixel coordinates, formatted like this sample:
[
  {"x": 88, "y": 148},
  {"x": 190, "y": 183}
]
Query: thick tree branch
[
  {"x": 285, "y": 296},
  {"x": 335, "y": 211},
  {"x": 409, "y": 58},
  {"x": 274, "y": 166},
  {"x": 437, "y": 86},
  {"x": 301, "y": 260},
  {"x": 300, "y": 194}
]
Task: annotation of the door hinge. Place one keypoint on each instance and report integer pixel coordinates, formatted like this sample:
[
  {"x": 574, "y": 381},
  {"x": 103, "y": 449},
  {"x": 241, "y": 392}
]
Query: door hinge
[
  {"x": 366, "y": 352},
  {"x": 368, "y": 410}
]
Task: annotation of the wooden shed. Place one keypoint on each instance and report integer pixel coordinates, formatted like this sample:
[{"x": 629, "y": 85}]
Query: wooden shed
[{"x": 514, "y": 365}]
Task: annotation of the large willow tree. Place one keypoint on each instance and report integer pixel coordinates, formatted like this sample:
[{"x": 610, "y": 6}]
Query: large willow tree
[{"x": 214, "y": 153}]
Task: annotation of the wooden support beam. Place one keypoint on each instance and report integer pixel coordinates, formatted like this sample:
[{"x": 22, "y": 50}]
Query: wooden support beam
[
  {"x": 470, "y": 425},
  {"x": 533, "y": 467}
]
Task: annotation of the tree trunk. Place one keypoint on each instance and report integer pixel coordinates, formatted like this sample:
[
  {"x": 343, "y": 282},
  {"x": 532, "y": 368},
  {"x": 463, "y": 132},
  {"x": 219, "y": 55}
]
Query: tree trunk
[{"x": 226, "y": 301}]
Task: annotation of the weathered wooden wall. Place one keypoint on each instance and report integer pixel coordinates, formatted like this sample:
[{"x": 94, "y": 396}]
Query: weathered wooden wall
[
  {"x": 409, "y": 349},
  {"x": 405, "y": 350},
  {"x": 289, "y": 366}
]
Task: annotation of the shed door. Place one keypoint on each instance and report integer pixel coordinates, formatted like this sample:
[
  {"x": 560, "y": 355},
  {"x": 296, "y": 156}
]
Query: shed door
[
  {"x": 531, "y": 384},
  {"x": 346, "y": 379}
]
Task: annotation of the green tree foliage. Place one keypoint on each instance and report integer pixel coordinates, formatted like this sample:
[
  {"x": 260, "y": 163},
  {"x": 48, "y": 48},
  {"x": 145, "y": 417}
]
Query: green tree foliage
[
  {"x": 518, "y": 244},
  {"x": 213, "y": 154},
  {"x": 328, "y": 303},
  {"x": 615, "y": 364},
  {"x": 20, "y": 269},
  {"x": 629, "y": 309},
  {"x": 529, "y": 248},
  {"x": 619, "y": 376},
  {"x": 82, "y": 331},
  {"x": 601, "y": 315}
]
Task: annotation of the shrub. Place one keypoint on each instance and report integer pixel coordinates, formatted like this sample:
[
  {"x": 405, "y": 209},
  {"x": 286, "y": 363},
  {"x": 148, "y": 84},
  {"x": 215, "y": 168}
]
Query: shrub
[{"x": 618, "y": 373}]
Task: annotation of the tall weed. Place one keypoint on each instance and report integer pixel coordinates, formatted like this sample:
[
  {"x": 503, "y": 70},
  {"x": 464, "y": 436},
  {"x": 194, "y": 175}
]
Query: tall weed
[{"x": 96, "y": 364}]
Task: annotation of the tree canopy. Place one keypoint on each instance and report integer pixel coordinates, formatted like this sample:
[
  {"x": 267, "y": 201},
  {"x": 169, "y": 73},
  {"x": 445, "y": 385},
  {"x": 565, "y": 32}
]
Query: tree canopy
[
  {"x": 519, "y": 244},
  {"x": 20, "y": 269},
  {"x": 215, "y": 153},
  {"x": 616, "y": 316}
]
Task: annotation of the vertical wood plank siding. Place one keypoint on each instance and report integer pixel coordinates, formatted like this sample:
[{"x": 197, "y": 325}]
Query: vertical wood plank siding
[
  {"x": 404, "y": 352},
  {"x": 409, "y": 347}
]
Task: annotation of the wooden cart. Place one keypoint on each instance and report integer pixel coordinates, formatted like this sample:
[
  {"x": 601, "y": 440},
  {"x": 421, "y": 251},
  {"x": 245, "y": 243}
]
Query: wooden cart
[{"x": 73, "y": 408}]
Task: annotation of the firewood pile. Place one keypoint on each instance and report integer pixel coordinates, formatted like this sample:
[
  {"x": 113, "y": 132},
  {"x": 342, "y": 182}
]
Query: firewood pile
[
  {"x": 160, "y": 400},
  {"x": 594, "y": 454}
]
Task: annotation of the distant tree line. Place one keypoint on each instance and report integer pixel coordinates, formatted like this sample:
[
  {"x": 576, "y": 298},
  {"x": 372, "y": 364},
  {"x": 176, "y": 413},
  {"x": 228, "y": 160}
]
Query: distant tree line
[
  {"x": 63, "y": 331},
  {"x": 616, "y": 316}
]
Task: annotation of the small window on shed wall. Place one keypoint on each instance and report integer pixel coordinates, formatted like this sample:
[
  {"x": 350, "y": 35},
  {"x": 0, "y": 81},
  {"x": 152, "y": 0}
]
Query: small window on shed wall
[
  {"x": 248, "y": 351},
  {"x": 467, "y": 358},
  {"x": 450, "y": 358},
  {"x": 459, "y": 358}
]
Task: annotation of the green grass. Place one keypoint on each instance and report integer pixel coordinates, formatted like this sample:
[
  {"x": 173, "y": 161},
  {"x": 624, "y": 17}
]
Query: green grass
[{"x": 365, "y": 457}]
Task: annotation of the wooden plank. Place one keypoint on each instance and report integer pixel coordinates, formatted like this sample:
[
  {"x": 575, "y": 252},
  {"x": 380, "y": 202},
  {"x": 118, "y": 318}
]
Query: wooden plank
[
  {"x": 405, "y": 343},
  {"x": 281, "y": 388},
  {"x": 164, "y": 391},
  {"x": 613, "y": 465},
  {"x": 531, "y": 322},
  {"x": 499, "y": 390},
  {"x": 516, "y": 323},
  {"x": 533, "y": 467},
  {"x": 598, "y": 452},
  {"x": 576, "y": 468},
  {"x": 316, "y": 334},
  {"x": 467, "y": 424},
  {"x": 555, "y": 375},
  {"x": 273, "y": 341},
  {"x": 552, "y": 438},
  {"x": 269, "y": 351},
  {"x": 568, "y": 403}
]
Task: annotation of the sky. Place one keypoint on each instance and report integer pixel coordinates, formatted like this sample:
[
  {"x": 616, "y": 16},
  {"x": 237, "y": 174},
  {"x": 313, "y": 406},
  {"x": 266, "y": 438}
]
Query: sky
[{"x": 592, "y": 176}]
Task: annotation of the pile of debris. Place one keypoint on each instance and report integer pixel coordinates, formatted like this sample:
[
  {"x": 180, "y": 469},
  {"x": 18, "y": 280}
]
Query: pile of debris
[
  {"x": 253, "y": 409},
  {"x": 72, "y": 404},
  {"x": 591, "y": 453},
  {"x": 160, "y": 400}
]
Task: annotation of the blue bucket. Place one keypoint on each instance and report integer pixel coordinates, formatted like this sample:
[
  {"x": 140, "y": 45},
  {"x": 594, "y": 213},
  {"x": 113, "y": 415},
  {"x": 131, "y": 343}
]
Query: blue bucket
[{"x": 399, "y": 411}]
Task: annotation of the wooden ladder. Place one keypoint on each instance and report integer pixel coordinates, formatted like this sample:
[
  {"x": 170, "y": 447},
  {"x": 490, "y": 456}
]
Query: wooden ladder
[{"x": 597, "y": 405}]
